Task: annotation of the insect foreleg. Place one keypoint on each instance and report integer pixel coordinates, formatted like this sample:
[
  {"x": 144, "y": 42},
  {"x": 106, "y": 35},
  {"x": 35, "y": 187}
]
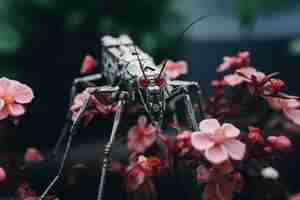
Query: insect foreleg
[
  {"x": 67, "y": 149},
  {"x": 200, "y": 98},
  {"x": 190, "y": 110},
  {"x": 68, "y": 119},
  {"x": 92, "y": 77},
  {"x": 182, "y": 92},
  {"x": 107, "y": 149}
]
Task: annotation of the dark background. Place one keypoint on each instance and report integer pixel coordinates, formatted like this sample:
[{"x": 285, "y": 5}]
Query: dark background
[{"x": 42, "y": 43}]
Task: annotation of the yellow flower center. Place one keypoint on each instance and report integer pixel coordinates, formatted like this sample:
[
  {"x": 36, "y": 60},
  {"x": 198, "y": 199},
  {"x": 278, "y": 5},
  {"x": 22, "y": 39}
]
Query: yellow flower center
[
  {"x": 219, "y": 136},
  {"x": 8, "y": 99}
]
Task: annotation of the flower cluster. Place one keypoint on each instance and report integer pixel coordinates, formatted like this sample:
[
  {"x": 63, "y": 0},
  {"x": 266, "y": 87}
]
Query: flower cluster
[
  {"x": 241, "y": 135},
  {"x": 141, "y": 136},
  {"x": 247, "y": 128},
  {"x": 175, "y": 69},
  {"x": 140, "y": 171},
  {"x": 96, "y": 106}
]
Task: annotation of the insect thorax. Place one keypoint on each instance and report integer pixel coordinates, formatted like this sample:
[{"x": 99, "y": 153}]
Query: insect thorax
[{"x": 120, "y": 61}]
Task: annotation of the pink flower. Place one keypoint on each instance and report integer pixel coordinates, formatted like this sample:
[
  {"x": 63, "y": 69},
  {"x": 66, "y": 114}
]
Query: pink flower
[
  {"x": 13, "y": 95},
  {"x": 295, "y": 197},
  {"x": 135, "y": 175},
  {"x": 202, "y": 174},
  {"x": 279, "y": 142},
  {"x": 276, "y": 85},
  {"x": 2, "y": 174},
  {"x": 243, "y": 75},
  {"x": 88, "y": 65},
  {"x": 95, "y": 108},
  {"x": 25, "y": 192},
  {"x": 227, "y": 63},
  {"x": 149, "y": 164},
  {"x": 235, "y": 62},
  {"x": 218, "y": 142},
  {"x": 183, "y": 142},
  {"x": 138, "y": 171},
  {"x": 140, "y": 137},
  {"x": 33, "y": 155},
  {"x": 255, "y": 135},
  {"x": 175, "y": 69},
  {"x": 287, "y": 106}
]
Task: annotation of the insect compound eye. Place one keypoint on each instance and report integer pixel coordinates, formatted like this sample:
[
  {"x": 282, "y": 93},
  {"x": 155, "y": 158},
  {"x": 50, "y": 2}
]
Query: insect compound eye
[
  {"x": 159, "y": 81},
  {"x": 144, "y": 83}
]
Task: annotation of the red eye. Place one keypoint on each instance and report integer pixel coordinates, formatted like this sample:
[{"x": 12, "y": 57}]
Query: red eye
[
  {"x": 144, "y": 83},
  {"x": 159, "y": 81}
]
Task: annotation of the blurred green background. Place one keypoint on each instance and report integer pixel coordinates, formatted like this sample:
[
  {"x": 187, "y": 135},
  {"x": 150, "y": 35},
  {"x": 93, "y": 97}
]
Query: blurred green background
[{"x": 29, "y": 24}]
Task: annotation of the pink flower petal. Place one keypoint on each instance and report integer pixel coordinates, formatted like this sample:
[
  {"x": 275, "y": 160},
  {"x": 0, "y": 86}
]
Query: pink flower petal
[
  {"x": 201, "y": 141},
  {"x": 33, "y": 155},
  {"x": 135, "y": 177},
  {"x": 2, "y": 103},
  {"x": 22, "y": 93},
  {"x": 250, "y": 71},
  {"x": 292, "y": 103},
  {"x": 182, "y": 66},
  {"x": 216, "y": 154},
  {"x": 2, "y": 174},
  {"x": 295, "y": 197},
  {"x": 16, "y": 109},
  {"x": 235, "y": 149},
  {"x": 209, "y": 125},
  {"x": 88, "y": 65},
  {"x": 4, "y": 85},
  {"x": 227, "y": 62},
  {"x": 293, "y": 115},
  {"x": 4, "y": 112},
  {"x": 202, "y": 174},
  {"x": 230, "y": 130},
  {"x": 233, "y": 79},
  {"x": 223, "y": 67},
  {"x": 244, "y": 54},
  {"x": 279, "y": 142},
  {"x": 174, "y": 69}
]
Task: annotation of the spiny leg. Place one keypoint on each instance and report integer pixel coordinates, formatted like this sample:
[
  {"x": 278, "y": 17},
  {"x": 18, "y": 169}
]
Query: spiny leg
[
  {"x": 190, "y": 111},
  {"x": 201, "y": 101},
  {"x": 108, "y": 148},
  {"x": 182, "y": 92},
  {"x": 68, "y": 119},
  {"x": 67, "y": 149},
  {"x": 187, "y": 84}
]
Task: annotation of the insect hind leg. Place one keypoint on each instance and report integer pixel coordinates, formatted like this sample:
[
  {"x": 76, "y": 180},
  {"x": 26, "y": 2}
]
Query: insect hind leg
[
  {"x": 73, "y": 130},
  {"x": 68, "y": 118},
  {"x": 107, "y": 149}
]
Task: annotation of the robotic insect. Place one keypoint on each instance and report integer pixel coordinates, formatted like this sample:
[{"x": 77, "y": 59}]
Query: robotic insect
[{"x": 131, "y": 76}]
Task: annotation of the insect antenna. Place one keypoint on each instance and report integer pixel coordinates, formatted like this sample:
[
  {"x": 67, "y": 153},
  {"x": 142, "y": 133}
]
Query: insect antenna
[
  {"x": 140, "y": 62},
  {"x": 180, "y": 37}
]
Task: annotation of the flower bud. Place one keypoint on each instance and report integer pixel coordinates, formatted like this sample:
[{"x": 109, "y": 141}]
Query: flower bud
[
  {"x": 2, "y": 174},
  {"x": 279, "y": 142},
  {"x": 270, "y": 172}
]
